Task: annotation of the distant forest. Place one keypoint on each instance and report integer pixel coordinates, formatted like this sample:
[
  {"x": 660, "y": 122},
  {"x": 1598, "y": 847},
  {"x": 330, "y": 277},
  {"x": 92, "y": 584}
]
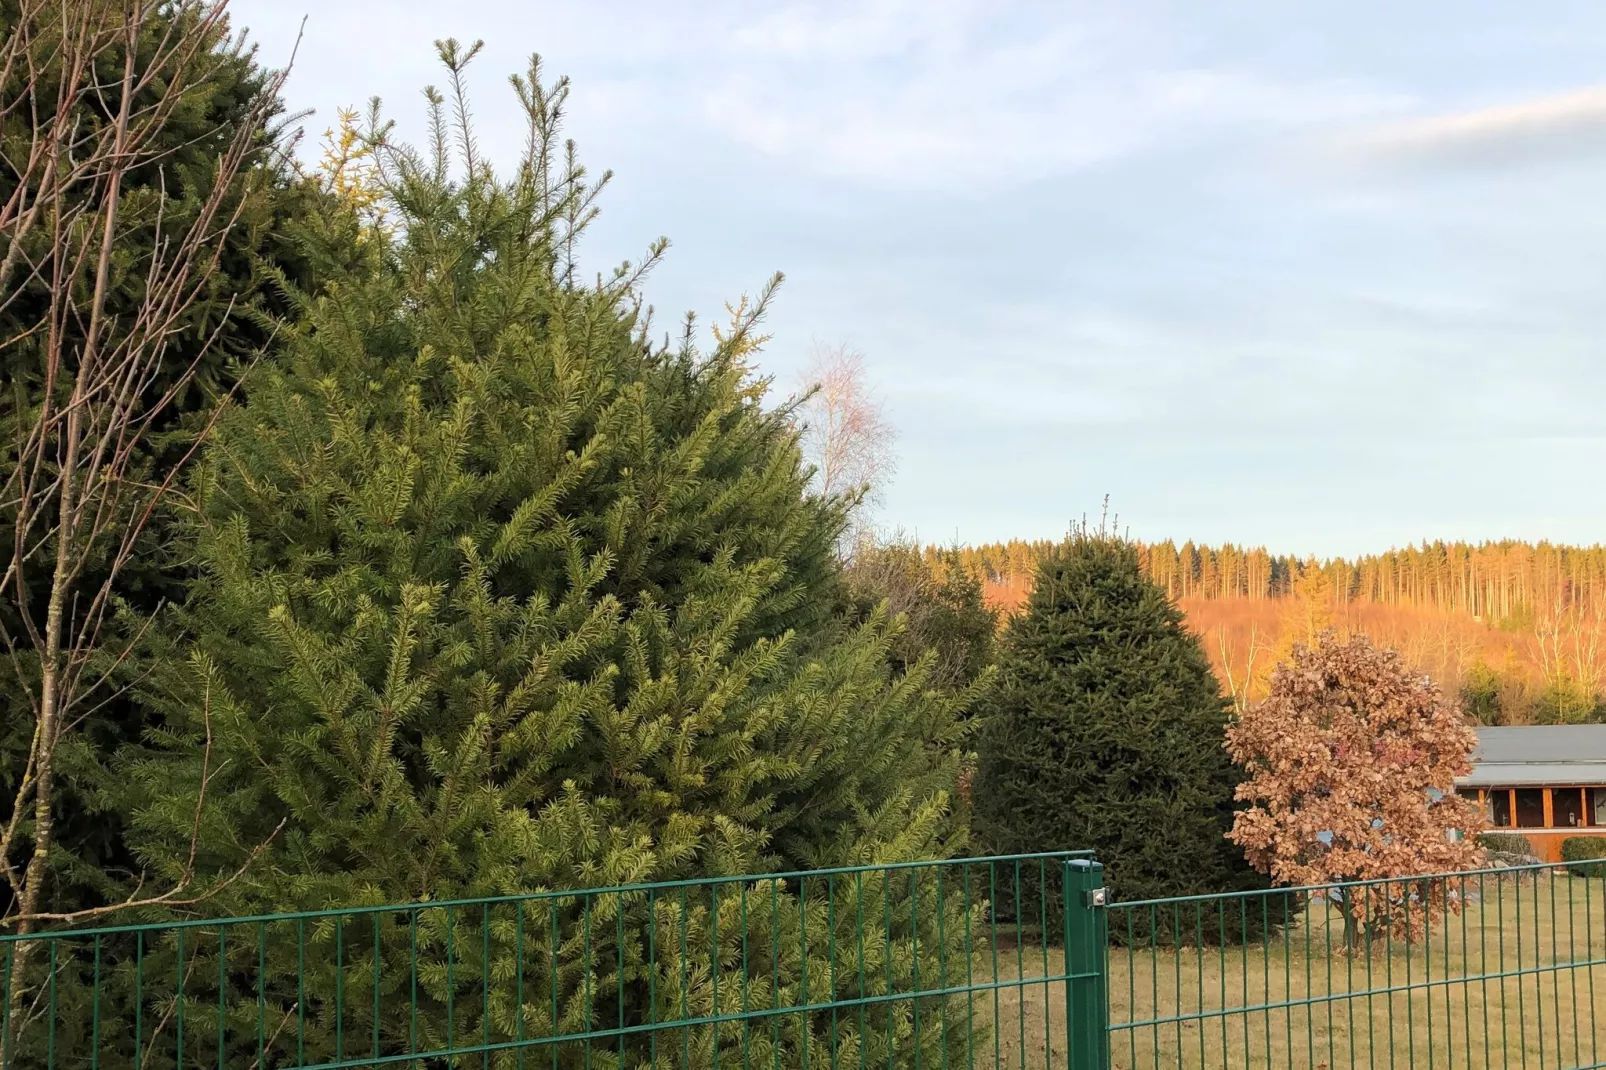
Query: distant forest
[
  {"x": 1518, "y": 629},
  {"x": 1493, "y": 580}
]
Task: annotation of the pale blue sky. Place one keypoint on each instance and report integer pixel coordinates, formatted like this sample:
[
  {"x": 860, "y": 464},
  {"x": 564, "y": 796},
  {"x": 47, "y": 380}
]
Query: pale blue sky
[{"x": 1324, "y": 276}]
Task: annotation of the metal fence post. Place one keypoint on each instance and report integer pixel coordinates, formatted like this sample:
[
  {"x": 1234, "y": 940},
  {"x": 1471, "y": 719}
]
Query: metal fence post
[{"x": 1087, "y": 1000}]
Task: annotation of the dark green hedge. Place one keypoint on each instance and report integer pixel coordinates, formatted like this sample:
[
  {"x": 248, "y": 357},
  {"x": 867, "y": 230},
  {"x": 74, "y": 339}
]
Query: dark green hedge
[{"x": 1587, "y": 850}]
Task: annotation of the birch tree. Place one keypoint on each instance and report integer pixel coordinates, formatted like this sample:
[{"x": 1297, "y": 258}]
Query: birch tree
[{"x": 846, "y": 435}]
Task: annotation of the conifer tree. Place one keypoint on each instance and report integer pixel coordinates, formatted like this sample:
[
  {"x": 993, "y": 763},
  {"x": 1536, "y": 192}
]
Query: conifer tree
[
  {"x": 500, "y": 595},
  {"x": 1108, "y": 734}
]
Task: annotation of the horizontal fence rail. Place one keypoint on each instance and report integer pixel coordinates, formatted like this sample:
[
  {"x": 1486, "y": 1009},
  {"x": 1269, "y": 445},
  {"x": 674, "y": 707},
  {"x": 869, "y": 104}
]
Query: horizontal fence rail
[
  {"x": 928, "y": 965},
  {"x": 1014, "y": 963},
  {"x": 1512, "y": 973}
]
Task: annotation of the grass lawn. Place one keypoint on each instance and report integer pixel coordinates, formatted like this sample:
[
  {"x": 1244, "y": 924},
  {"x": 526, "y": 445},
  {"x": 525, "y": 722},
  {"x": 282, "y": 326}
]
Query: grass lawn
[{"x": 1191, "y": 1008}]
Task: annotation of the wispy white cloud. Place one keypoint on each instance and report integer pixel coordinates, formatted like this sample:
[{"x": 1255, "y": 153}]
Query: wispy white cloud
[
  {"x": 952, "y": 94},
  {"x": 875, "y": 29},
  {"x": 1560, "y": 124},
  {"x": 958, "y": 94},
  {"x": 945, "y": 95}
]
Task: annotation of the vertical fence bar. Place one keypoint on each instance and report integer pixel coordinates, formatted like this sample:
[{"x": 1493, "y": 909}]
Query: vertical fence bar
[
  {"x": 178, "y": 1007},
  {"x": 747, "y": 982},
  {"x": 619, "y": 941},
  {"x": 1288, "y": 975},
  {"x": 1466, "y": 986},
  {"x": 518, "y": 995},
  {"x": 1483, "y": 960},
  {"x": 94, "y": 1037},
  {"x": 50, "y": 1058},
  {"x": 585, "y": 976},
  {"x": 139, "y": 995},
  {"x": 652, "y": 981},
  {"x": 1221, "y": 947},
  {"x": 1572, "y": 969},
  {"x": 1042, "y": 940},
  {"x": 377, "y": 919},
  {"x": 412, "y": 1005},
  {"x": 830, "y": 970},
  {"x": 1087, "y": 1000},
  {"x": 340, "y": 987},
  {"x": 1500, "y": 949},
  {"x": 775, "y": 968},
  {"x": 485, "y": 985},
  {"x": 942, "y": 983},
  {"x": 1589, "y": 954},
  {"x": 970, "y": 981},
  {"x": 301, "y": 989},
  {"x": 5, "y": 1013},
  {"x": 1020, "y": 971},
  {"x": 1555, "y": 974},
  {"x": 992, "y": 944},
  {"x": 803, "y": 971},
  {"x": 262, "y": 996},
  {"x": 222, "y": 991},
  {"x": 1199, "y": 979}
]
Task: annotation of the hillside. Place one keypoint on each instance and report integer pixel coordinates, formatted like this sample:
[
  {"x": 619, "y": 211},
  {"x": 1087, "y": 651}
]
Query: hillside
[{"x": 1516, "y": 628}]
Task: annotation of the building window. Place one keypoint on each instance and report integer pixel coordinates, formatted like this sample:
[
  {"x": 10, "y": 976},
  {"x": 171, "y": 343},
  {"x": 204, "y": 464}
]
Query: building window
[
  {"x": 1567, "y": 807},
  {"x": 1500, "y": 809},
  {"x": 1530, "y": 808},
  {"x": 1597, "y": 806}
]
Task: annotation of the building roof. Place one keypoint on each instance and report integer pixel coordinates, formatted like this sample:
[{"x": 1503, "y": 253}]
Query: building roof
[{"x": 1563, "y": 754}]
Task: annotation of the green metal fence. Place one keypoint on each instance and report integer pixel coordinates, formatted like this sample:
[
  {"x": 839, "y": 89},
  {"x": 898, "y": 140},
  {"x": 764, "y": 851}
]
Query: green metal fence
[
  {"x": 1512, "y": 975},
  {"x": 1014, "y": 963},
  {"x": 930, "y": 965}
]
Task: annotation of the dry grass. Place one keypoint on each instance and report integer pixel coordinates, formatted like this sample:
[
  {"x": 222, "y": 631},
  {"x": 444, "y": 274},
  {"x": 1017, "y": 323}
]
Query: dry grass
[{"x": 1225, "y": 1008}]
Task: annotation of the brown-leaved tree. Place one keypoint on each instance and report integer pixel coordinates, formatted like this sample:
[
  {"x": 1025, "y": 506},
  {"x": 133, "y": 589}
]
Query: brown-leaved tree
[{"x": 1351, "y": 763}]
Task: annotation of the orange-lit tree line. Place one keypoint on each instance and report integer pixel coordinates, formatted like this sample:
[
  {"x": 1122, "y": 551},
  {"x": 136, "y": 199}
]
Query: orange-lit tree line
[
  {"x": 1492, "y": 580},
  {"x": 1518, "y": 630}
]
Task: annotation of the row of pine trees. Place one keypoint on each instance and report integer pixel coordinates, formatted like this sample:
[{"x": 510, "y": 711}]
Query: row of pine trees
[{"x": 1497, "y": 581}]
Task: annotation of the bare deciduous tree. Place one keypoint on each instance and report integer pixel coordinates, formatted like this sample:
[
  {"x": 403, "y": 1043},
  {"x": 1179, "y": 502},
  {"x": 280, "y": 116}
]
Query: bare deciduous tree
[
  {"x": 1567, "y": 649},
  {"x": 846, "y": 435},
  {"x": 1239, "y": 687},
  {"x": 91, "y": 86}
]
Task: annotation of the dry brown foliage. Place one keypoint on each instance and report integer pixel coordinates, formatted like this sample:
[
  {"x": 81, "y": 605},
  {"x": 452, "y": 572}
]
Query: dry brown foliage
[{"x": 1351, "y": 763}]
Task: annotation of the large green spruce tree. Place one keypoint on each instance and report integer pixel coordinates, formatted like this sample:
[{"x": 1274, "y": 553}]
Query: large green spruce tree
[
  {"x": 500, "y": 595},
  {"x": 1109, "y": 733}
]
